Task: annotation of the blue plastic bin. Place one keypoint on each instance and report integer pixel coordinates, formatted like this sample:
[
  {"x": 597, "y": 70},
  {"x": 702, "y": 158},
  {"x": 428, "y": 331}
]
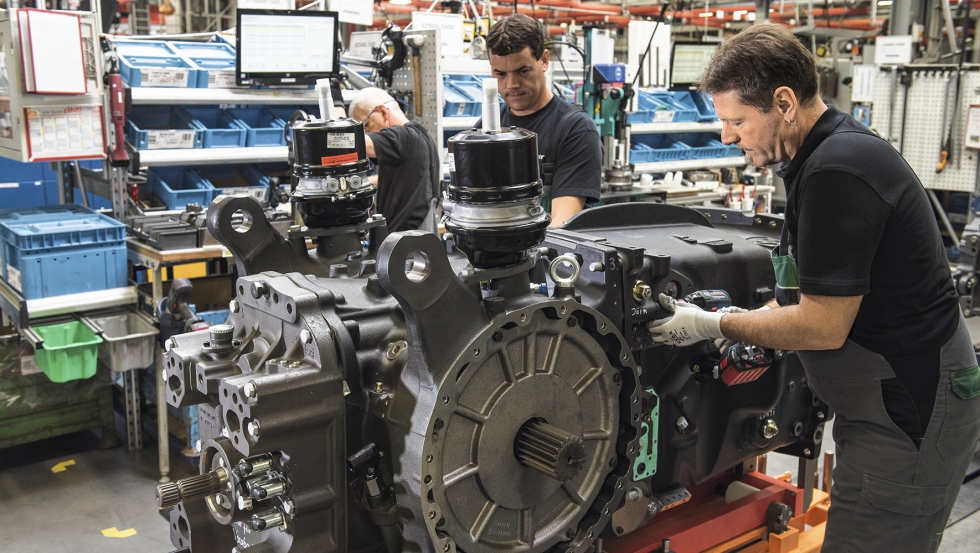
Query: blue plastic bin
[
  {"x": 136, "y": 71},
  {"x": 640, "y": 153},
  {"x": 663, "y": 147},
  {"x": 57, "y": 250},
  {"x": 143, "y": 48},
  {"x": 458, "y": 103},
  {"x": 699, "y": 101},
  {"x": 214, "y": 73},
  {"x": 684, "y": 110},
  {"x": 707, "y": 146},
  {"x": 213, "y": 50},
  {"x": 261, "y": 127},
  {"x": 234, "y": 180},
  {"x": 145, "y": 125},
  {"x": 216, "y": 126},
  {"x": 178, "y": 186}
]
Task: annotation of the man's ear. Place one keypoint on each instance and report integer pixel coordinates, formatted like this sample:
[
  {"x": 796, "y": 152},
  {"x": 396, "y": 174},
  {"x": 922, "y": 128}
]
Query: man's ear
[
  {"x": 545, "y": 57},
  {"x": 785, "y": 101}
]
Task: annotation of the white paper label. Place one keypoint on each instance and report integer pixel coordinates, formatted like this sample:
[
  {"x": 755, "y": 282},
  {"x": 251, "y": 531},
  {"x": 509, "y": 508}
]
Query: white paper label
[
  {"x": 450, "y": 27},
  {"x": 452, "y": 163},
  {"x": 221, "y": 79},
  {"x": 176, "y": 77},
  {"x": 663, "y": 116},
  {"x": 9, "y": 185},
  {"x": 340, "y": 140},
  {"x": 893, "y": 50},
  {"x": 359, "y": 12},
  {"x": 165, "y": 140},
  {"x": 13, "y": 277},
  {"x": 64, "y": 132},
  {"x": 863, "y": 85},
  {"x": 257, "y": 192}
]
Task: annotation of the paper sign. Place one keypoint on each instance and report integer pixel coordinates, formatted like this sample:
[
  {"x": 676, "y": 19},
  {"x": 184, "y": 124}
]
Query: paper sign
[
  {"x": 340, "y": 140},
  {"x": 359, "y": 12},
  {"x": 58, "y": 65},
  {"x": 59, "y": 133},
  {"x": 972, "y": 139},
  {"x": 169, "y": 77},
  {"x": 267, "y": 4},
  {"x": 362, "y": 44},
  {"x": 167, "y": 140},
  {"x": 221, "y": 79},
  {"x": 893, "y": 50},
  {"x": 863, "y": 84},
  {"x": 450, "y": 27},
  {"x": 656, "y": 66}
]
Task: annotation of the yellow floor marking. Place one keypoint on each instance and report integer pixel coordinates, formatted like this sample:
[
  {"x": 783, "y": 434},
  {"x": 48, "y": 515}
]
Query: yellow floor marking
[
  {"x": 62, "y": 466},
  {"x": 114, "y": 533}
]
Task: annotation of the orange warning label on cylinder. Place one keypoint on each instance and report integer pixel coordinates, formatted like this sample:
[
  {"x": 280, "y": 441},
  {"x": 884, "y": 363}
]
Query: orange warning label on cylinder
[{"x": 338, "y": 160}]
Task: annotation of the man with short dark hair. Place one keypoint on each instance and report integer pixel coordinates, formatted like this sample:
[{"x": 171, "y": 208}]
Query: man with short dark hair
[
  {"x": 409, "y": 173},
  {"x": 864, "y": 296},
  {"x": 568, "y": 139}
]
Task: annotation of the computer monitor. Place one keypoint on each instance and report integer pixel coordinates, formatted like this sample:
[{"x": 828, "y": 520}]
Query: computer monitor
[
  {"x": 687, "y": 61},
  {"x": 286, "y": 47}
]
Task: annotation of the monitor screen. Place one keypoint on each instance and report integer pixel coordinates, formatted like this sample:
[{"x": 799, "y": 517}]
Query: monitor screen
[
  {"x": 283, "y": 47},
  {"x": 688, "y": 60}
]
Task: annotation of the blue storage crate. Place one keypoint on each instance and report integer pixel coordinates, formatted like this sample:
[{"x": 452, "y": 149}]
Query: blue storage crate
[
  {"x": 143, "y": 48},
  {"x": 234, "y": 180},
  {"x": 66, "y": 270},
  {"x": 57, "y": 250},
  {"x": 640, "y": 153},
  {"x": 262, "y": 173},
  {"x": 699, "y": 101},
  {"x": 458, "y": 103},
  {"x": 172, "y": 72},
  {"x": 217, "y": 317},
  {"x": 15, "y": 171},
  {"x": 707, "y": 146},
  {"x": 50, "y": 227},
  {"x": 656, "y": 107},
  {"x": 683, "y": 111},
  {"x": 664, "y": 147},
  {"x": 474, "y": 89},
  {"x": 214, "y": 73},
  {"x": 178, "y": 186},
  {"x": 261, "y": 127},
  {"x": 212, "y": 50},
  {"x": 22, "y": 194},
  {"x": 216, "y": 127},
  {"x": 146, "y": 127}
]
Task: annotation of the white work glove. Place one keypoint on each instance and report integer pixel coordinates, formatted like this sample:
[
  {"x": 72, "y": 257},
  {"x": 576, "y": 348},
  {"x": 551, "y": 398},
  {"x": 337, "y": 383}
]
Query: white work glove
[
  {"x": 688, "y": 324},
  {"x": 733, "y": 309}
]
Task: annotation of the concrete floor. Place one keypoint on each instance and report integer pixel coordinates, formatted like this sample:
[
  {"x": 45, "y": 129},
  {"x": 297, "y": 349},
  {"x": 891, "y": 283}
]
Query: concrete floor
[{"x": 66, "y": 512}]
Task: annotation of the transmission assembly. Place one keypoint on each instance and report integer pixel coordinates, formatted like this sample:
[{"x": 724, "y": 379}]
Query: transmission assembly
[{"x": 381, "y": 393}]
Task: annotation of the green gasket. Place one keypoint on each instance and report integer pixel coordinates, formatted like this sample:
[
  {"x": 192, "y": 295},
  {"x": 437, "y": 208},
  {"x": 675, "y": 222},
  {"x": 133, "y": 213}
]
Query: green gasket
[
  {"x": 966, "y": 382},
  {"x": 645, "y": 464}
]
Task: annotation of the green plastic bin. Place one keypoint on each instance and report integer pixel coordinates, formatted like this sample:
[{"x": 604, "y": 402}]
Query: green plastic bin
[{"x": 70, "y": 351}]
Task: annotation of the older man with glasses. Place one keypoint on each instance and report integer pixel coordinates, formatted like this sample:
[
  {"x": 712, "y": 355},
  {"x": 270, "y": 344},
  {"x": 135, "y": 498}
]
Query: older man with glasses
[{"x": 409, "y": 173}]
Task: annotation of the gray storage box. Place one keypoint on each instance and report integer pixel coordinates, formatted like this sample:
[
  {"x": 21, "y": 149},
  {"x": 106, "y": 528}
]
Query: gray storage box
[{"x": 129, "y": 339}]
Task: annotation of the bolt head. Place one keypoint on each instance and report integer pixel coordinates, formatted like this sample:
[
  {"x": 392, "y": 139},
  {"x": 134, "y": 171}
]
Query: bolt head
[
  {"x": 653, "y": 507},
  {"x": 288, "y": 506},
  {"x": 233, "y": 306},
  {"x": 250, "y": 389},
  {"x": 306, "y": 336},
  {"x": 253, "y": 427},
  {"x": 807, "y": 452},
  {"x": 820, "y": 415}
]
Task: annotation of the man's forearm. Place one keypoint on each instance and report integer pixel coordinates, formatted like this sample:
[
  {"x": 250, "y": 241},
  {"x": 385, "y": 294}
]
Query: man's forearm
[{"x": 817, "y": 323}]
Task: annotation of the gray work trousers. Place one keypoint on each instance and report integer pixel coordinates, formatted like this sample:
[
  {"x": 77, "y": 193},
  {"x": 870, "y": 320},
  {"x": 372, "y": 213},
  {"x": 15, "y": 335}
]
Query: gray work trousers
[{"x": 887, "y": 496}]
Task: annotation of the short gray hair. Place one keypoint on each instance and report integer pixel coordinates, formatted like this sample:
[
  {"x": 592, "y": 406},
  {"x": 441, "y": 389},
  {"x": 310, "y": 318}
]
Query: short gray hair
[{"x": 370, "y": 98}]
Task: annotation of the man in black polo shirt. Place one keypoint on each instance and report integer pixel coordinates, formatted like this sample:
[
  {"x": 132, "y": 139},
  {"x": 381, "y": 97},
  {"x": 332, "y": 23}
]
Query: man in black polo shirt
[
  {"x": 864, "y": 296},
  {"x": 409, "y": 172},
  {"x": 567, "y": 138}
]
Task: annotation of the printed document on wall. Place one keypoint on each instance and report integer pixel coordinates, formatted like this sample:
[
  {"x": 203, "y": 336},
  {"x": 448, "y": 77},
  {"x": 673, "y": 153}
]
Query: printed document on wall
[{"x": 52, "y": 52}]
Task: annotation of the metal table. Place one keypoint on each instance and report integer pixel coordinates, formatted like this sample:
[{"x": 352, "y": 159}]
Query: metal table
[{"x": 156, "y": 260}]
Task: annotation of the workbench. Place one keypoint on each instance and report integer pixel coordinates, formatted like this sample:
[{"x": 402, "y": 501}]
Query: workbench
[{"x": 156, "y": 261}]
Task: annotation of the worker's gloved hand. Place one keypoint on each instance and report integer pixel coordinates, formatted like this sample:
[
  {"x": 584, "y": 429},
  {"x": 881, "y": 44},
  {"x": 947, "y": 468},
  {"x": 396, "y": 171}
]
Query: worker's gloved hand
[
  {"x": 733, "y": 309},
  {"x": 688, "y": 324}
]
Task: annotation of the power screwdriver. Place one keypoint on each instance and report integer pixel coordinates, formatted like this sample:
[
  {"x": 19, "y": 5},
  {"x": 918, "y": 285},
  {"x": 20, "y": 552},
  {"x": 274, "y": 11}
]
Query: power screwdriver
[{"x": 709, "y": 300}]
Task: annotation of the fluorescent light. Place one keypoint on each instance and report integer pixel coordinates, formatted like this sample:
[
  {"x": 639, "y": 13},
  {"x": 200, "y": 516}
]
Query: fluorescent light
[
  {"x": 720, "y": 14},
  {"x": 884, "y": 2},
  {"x": 400, "y": 2},
  {"x": 705, "y": 14}
]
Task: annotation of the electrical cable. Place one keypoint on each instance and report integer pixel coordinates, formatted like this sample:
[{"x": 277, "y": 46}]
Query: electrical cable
[{"x": 560, "y": 62}]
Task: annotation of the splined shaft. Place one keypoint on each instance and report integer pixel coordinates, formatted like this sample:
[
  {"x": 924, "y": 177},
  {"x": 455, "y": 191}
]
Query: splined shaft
[
  {"x": 549, "y": 449},
  {"x": 191, "y": 488}
]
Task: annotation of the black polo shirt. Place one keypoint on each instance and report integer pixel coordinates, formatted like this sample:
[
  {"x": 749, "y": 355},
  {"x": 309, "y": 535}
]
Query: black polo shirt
[
  {"x": 859, "y": 223},
  {"x": 409, "y": 174}
]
